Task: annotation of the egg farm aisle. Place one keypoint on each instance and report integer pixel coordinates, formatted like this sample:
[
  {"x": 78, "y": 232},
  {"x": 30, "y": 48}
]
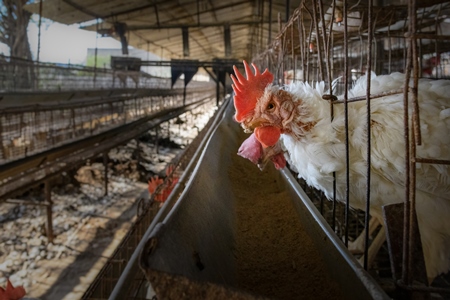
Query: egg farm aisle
[{"x": 87, "y": 225}]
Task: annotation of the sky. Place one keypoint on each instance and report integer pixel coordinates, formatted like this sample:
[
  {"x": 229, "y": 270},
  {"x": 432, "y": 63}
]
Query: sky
[{"x": 63, "y": 44}]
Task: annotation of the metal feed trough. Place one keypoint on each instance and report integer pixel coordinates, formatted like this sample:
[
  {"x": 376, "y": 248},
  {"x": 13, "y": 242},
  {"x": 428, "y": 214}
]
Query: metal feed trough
[{"x": 189, "y": 253}]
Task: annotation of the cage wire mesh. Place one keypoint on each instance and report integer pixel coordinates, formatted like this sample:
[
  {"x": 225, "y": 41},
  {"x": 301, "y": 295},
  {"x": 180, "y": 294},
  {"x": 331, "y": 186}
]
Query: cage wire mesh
[
  {"x": 147, "y": 208},
  {"x": 29, "y": 130},
  {"x": 22, "y": 75},
  {"x": 344, "y": 40}
]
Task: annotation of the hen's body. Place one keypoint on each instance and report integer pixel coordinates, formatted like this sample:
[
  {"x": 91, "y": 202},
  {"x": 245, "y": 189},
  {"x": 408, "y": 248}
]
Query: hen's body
[{"x": 315, "y": 147}]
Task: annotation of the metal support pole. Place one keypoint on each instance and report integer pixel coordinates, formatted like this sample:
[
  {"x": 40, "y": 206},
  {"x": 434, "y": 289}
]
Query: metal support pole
[
  {"x": 157, "y": 140},
  {"x": 368, "y": 128},
  {"x": 224, "y": 91},
  {"x": 39, "y": 45},
  {"x": 347, "y": 154},
  {"x": 95, "y": 54},
  {"x": 270, "y": 22},
  {"x": 49, "y": 206},
  {"x": 227, "y": 40},
  {"x": 39, "y": 31},
  {"x": 138, "y": 152},
  {"x": 105, "y": 164},
  {"x": 3, "y": 153},
  {"x": 217, "y": 92},
  {"x": 185, "y": 34},
  {"x": 168, "y": 129},
  {"x": 198, "y": 12},
  {"x": 286, "y": 19}
]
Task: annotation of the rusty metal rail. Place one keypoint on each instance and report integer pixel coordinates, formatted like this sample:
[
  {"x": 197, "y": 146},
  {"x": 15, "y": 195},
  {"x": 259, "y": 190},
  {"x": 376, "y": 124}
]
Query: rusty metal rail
[
  {"x": 120, "y": 265},
  {"x": 33, "y": 170},
  {"x": 19, "y": 176},
  {"x": 25, "y": 131},
  {"x": 18, "y": 74}
]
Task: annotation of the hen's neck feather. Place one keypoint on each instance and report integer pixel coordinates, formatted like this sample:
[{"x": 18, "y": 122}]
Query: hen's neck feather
[{"x": 310, "y": 108}]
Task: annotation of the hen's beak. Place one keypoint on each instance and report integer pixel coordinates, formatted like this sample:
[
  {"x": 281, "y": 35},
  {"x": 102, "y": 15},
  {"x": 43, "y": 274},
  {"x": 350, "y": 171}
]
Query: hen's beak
[
  {"x": 257, "y": 122},
  {"x": 267, "y": 155},
  {"x": 263, "y": 160}
]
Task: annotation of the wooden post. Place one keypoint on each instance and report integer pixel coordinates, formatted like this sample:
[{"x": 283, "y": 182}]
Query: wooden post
[
  {"x": 49, "y": 206},
  {"x": 105, "y": 164}
]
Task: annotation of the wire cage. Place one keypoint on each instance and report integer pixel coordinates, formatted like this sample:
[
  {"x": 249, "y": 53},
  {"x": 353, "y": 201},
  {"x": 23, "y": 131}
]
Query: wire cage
[
  {"x": 148, "y": 206},
  {"x": 32, "y": 129},
  {"x": 21, "y": 75},
  {"x": 338, "y": 42}
]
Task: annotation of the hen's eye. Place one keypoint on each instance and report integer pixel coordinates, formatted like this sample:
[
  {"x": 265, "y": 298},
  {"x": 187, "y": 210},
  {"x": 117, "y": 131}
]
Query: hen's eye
[{"x": 270, "y": 106}]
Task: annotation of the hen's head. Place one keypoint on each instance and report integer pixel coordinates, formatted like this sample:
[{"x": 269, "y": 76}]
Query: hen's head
[{"x": 261, "y": 106}]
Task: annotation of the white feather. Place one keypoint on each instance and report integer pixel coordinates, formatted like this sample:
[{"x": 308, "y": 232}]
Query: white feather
[{"x": 321, "y": 151}]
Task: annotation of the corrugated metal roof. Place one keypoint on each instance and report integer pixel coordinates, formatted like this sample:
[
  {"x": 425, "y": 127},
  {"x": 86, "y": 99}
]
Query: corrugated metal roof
[{"x": 157, "y": 25}]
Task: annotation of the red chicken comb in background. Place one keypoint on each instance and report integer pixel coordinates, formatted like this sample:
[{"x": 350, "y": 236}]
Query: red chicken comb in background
[
  {"x": 248, "y": 90},
  {"x": 162, "y": 187},
  {"x": 11, "y": 292}
]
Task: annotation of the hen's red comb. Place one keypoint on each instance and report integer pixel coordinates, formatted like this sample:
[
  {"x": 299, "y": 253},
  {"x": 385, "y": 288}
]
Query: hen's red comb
[
  {"x": 248, "y": 90},
  {"x": 12, "y": 292}
]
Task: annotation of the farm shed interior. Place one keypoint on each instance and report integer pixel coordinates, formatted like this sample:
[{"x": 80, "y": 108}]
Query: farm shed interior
[{"x": 72, "y": 113}]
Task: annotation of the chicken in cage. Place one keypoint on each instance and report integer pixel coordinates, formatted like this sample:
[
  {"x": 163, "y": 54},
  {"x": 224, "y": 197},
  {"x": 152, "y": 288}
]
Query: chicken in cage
[{"x": 367, "y": 124}]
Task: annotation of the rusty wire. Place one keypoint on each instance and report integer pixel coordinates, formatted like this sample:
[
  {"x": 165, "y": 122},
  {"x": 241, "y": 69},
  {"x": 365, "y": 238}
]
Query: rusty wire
[
  {"x": 317, "y": 40},
  {"x": 400, "y": 52},
  {"x": 371, "y": 24},
  {"x": 73, "y": 120},
  {"x": 347, "y": 154},
  {"x": 412, "y": 56},
  {"x": 415, "y": 138}
]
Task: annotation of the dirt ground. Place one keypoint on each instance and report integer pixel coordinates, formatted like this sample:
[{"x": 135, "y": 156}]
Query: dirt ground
[
  {"x": 86, "y": 234},
  {"x": 275, "y": 256},
  {"x": 87, "y": 225}
]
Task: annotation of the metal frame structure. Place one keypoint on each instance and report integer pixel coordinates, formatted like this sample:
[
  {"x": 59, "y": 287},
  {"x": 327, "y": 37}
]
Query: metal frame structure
[
  {"x": 159, "y": 26},
  {"x": 185, "y": 199},
  {"x": 32, "y": 129},
  {"x": 46, "y": 132},
  {"x": 367, "y": 38},
  {"x": 119, "y": 280},
  {"x": 21, "y": 75},
  {"x": 69, "y": 114}
]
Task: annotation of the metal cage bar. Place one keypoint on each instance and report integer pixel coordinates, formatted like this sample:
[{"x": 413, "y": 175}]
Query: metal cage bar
[{"x": 408, "y": 38}]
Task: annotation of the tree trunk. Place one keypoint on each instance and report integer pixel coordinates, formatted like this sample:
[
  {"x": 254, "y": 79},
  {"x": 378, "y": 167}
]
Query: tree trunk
[{"x": 13, "y": 32}]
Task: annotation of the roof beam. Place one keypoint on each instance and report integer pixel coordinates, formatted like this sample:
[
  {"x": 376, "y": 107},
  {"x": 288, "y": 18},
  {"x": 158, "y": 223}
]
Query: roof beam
[
  {"x": 175, "y": 26},
  {"x": 140, "y": 8},
  {"x": 95, "y": 15},
  {"x": 82, "y": 9}
]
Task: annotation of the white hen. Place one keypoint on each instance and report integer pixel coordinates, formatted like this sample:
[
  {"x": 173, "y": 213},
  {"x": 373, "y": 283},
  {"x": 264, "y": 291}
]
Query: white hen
[{"x": 297, "y": 116}]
